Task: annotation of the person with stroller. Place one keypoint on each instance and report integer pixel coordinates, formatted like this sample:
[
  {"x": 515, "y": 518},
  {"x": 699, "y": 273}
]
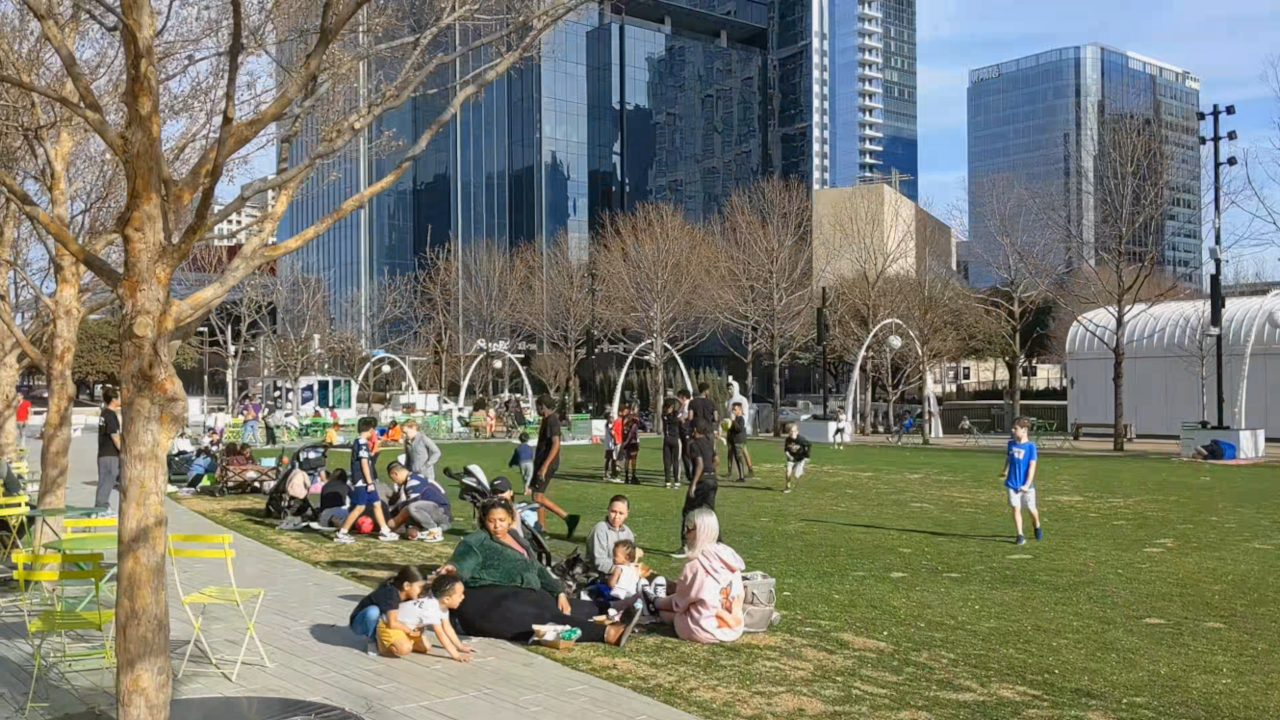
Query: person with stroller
[
  {"x": 420, "y": 501},
  {"x": 509, "y": 591}
]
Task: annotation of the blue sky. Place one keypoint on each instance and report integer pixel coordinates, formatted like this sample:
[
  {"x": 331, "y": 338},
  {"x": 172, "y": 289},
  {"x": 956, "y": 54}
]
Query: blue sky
[{"x": 1224, "y": 43}]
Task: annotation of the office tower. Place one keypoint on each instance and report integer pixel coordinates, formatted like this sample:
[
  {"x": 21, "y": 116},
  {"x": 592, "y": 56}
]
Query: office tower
[
  {"x": 860, "y": 112},
  {"x": 1037, "y": 123},
  {"x": 626, "y": 102}
]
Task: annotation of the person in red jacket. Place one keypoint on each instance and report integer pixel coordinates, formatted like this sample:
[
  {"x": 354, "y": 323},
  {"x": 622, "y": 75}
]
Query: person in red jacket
[{"x": 24, "y": 414}]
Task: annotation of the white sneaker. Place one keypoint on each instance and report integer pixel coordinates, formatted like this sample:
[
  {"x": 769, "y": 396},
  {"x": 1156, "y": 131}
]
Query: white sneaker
[
  {"x": 434, "y": 535},
  {"x": 658, "y": 587},
  {"x": 344, "y": 538},
  {"x": 371, "y": 648},
  {"x": 388, "y": 536},
  {"x": 186, "y": 491}
]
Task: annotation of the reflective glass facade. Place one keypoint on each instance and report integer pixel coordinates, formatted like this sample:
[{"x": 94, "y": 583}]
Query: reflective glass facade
[
  {"x": 899, "y": 38},
  {"x": 1037, "y": 122},
  {"x": 616, "y": 110}
]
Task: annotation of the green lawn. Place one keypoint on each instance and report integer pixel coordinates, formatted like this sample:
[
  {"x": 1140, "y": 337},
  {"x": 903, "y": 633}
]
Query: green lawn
[{"x": 1152, "y": 596}]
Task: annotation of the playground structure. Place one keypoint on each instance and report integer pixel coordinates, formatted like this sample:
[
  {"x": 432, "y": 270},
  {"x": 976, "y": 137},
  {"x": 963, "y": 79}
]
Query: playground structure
[
  {"x": 386, "y": 367},
  {"x": 622, "y": 376},
  {"x": 853, "y": 397},
  {"x": 487, "y": 351}
]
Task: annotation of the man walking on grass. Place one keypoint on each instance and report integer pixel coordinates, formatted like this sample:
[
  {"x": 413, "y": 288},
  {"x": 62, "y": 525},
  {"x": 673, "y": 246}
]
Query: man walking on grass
[{"x": 546, "y": 461}]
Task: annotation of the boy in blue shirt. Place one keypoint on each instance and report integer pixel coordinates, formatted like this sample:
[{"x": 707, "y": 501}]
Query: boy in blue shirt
[
  {"x": 523, "y": 459},
  {"x": 364, "y": 485},
  {"x": 1019, "y": 475}
]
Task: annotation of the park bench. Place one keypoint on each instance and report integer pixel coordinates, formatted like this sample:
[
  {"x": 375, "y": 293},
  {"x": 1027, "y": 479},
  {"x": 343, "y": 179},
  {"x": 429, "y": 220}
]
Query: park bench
[{"x": 1077, "y": 428}]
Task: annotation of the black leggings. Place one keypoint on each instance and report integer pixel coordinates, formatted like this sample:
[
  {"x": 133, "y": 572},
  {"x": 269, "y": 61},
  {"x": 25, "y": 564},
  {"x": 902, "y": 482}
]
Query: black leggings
[
  {"x": 704, "y": 495},
  {"x": 671, "y": 460},
  {"x": 686, "y": 457},
  {"x": 509, "y": 613}
]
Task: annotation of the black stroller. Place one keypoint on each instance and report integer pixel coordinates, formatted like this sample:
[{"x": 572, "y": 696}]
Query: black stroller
[
  {"x": 289, "y": 496},
  {"x": 475, "y": 490}
]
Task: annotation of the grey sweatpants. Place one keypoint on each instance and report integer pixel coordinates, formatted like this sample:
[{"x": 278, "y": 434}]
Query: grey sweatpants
[
  {"x": 429, "y": 515},
  {"x": 108, "y": 480}
]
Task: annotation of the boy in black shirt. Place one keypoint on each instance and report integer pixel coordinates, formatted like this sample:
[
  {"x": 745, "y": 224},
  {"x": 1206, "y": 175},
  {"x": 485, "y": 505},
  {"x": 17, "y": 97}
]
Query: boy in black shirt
[
  {"x": 108, "y": 452},
  {"x": 702, "y": 490},
  {"x": 546, "y": 460}
]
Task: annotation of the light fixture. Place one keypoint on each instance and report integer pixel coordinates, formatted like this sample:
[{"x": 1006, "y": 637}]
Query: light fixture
[
  {"x": 1231, "y": 135},
  {"x": 1203, "y": 140},
  {"x": 1231, "y": 161},
  {"x": 1231, "y": 109},
  {"x": 1200, "y": 116}
]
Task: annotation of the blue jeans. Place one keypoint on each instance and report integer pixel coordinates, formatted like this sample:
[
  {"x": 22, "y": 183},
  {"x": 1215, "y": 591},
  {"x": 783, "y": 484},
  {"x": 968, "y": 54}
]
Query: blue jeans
[
  {"x": 249, "y": 433},
  {"x": 365, "y": 623}
]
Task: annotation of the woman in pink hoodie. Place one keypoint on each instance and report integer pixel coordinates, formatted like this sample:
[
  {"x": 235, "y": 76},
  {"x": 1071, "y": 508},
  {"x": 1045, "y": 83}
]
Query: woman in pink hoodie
[{"x": 706, "y": 606}]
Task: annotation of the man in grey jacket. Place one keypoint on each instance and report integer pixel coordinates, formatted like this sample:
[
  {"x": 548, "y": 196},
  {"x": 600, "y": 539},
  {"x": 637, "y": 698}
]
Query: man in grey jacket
[
  {"x": 607, "y": 532},
  {"x": 421, "y": 454}
]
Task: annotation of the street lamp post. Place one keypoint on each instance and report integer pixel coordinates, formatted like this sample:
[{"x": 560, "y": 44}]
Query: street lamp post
[
  {"x": 1216, "y": 303},
  {"x": 204, "y": 342},
  {"x": 591, "y": 339}
]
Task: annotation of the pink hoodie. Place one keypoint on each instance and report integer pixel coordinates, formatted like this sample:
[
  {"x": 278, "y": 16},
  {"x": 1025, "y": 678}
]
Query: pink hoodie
[{"x": 710, "y": 582}]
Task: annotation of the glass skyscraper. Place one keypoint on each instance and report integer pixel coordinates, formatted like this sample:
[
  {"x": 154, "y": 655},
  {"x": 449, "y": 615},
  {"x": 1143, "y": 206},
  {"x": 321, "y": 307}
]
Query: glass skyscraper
[
  {"x": 648, "y": 100},
  {"x": 846, "y": 73},
  {"x": 1038, "y": 122}
]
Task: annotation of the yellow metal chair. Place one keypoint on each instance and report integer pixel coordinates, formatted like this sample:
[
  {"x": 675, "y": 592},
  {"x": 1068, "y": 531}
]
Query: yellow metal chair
[
  {"x": 80, "y": 527},
  {"x": 215, "y": 547},
  {"x": 13, "y": 515},
  {"x": 53, "y": 620}
]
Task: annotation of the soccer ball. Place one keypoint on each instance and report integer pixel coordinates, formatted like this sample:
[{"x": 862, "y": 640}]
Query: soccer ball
[{"x": 894, "y": 342}]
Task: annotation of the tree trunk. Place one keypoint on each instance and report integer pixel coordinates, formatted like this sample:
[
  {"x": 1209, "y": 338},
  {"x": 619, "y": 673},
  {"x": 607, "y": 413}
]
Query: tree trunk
[
  {"x": 659, "y": 357},
  {"x": 64, "y": 324},
  {"x": 1117, "y": 379},
  {"x": 10, "y": 369},
  {"x": 1013, "y": 366},
  {"x": 776, "y": 369},
  {"x": 926, "y": 427}
]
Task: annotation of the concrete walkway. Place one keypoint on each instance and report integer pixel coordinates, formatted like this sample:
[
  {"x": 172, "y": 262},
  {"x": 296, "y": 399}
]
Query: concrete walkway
[{"x": 314, "y": 657}]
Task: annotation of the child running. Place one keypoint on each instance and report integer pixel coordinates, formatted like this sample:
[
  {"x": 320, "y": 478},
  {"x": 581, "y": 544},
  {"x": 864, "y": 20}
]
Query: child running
[
  {"x": 432, "y": 612},
  {"x": 843, "y": 434},
  {"x": 364, "y": 490},
  {"x": 1019, "y": 475},
  {"x": 522, "y": 457},
  {"x": 797, "y": 450},
  {"x": 381, "y": 607}
]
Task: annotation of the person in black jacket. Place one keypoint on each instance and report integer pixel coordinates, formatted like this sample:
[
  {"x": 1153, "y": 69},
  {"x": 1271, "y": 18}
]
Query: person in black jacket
[
  {"x": 797, "y": 450},
  {"x": 671, "y": 444},
  {"x": 737, "y": 438}
]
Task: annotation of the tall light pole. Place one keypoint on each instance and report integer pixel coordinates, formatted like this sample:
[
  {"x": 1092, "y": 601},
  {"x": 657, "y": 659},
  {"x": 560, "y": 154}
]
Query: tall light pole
[
  {"x": 1215, "y": 281},
  {"x": 204, "y": 342},
  {"x": 591, "y": 338}
]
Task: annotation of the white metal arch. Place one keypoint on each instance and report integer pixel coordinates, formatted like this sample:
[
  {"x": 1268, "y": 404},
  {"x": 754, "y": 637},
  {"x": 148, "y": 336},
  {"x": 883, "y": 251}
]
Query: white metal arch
[
  {"x": 355, "y": 392},
  {"x": 853, "y": 396},
  {"x": 466, "y": 381},
  {"x": 1259, "y": 319},
  {"x": 622, "y": 377}
]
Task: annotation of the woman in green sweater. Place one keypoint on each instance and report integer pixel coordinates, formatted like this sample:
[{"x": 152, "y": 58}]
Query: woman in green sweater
[{"x": 509, "y": 591}]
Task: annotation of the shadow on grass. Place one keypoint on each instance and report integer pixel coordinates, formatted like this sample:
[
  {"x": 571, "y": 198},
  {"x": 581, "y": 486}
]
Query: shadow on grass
[
  {"x": 915, "y": 531},
  {"x": 389, "y": 568}
]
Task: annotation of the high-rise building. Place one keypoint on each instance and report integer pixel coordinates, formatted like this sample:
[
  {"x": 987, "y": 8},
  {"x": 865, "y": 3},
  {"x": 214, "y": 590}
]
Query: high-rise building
[
  {"x": 626, "y": 102},
  {"x": 1040, "y": 121},
  {"x": 845, "y": 73}
]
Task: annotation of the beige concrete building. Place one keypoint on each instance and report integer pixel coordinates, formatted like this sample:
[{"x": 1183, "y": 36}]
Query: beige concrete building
[{"x": 874, "y": 228}]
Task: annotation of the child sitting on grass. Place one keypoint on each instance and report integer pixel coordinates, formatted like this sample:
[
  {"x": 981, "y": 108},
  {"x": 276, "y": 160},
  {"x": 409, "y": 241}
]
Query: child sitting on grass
[
  {"x": 380, "y": 608},
  {"x": 624, "y": 580},
  {"x": 431, "y": 611}
]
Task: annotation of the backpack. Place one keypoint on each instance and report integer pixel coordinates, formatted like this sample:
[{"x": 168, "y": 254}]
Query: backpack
[{"x": 758, "y": 606}]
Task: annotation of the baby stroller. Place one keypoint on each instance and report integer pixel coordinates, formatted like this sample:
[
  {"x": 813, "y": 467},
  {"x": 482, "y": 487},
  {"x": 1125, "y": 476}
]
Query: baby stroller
[
  {"x": 289, "y": 496},
  {"x": 475, "y": 490}
]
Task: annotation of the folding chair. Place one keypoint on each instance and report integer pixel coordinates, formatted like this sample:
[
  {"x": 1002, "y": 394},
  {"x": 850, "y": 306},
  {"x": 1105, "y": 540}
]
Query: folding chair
[
  {"x": 215, "y": 547},
  {"x": 52, "y": 620},
  {"x": 13, "y": 514}
]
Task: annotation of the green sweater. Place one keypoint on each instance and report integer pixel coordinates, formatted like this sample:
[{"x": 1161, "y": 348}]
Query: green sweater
[{"x": 480, "y": 560}]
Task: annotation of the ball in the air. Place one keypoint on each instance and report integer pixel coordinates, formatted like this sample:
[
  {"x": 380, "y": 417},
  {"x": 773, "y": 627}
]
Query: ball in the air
[
  {"x": 497, "y": 364},
  {"x": 894, "y": 342}
]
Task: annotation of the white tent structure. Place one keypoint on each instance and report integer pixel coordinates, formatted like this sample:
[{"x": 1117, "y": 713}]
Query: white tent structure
[{"x": 1169, "y": 360}]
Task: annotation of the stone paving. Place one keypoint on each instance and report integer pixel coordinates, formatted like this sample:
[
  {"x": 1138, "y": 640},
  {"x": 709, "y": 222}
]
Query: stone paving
[{"x": 314, "y": 656}]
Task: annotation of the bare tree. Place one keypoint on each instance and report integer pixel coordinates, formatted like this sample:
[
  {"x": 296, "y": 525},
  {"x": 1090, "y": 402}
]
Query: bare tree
[
  {"x": 1116, "y": 262},
  {"x": 862, "y": 247},
  {"x": 436, "y": 280},
  {"x": 1020, "y": 260},
  {"x": 765, "y": 290},
  {"x": 1262, "y": 169},
  {"x": 555, "y": 306},
  {"x": 654, "y": 266},
  {"x": 233, "y": 327},
  {"x": 175, "y": 96},
  {"x": 301, "y": 325}
]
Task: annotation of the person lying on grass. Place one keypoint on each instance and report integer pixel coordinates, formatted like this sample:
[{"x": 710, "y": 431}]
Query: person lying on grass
[
  {"x": 509, "y": 591},
  {"x": 380, "y": 608},
  {"x": 706, "y": 605},
  {"x": 431, "y": 611}
]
